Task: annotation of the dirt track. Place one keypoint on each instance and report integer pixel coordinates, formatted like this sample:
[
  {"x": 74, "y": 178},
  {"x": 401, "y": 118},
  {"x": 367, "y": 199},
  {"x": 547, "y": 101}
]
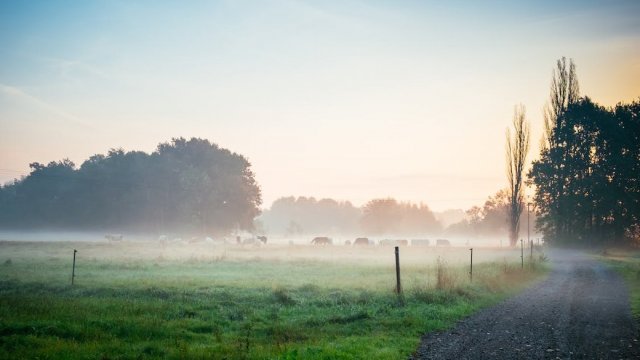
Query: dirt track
[{"x": 580, "y": 312}]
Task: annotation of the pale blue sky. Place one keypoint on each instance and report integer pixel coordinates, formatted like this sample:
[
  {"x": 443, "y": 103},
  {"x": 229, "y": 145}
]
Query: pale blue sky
[{"x": 344, "y": 99}]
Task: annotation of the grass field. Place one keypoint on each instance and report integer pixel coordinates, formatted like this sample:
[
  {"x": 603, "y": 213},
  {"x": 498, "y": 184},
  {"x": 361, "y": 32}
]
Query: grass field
[
  {"x": 627, "y": 263},
  {"x": 137, "y": 300}
]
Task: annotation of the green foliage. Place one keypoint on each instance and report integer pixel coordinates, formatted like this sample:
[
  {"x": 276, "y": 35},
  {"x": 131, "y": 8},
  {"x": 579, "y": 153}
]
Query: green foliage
[
  {"x": 587, "y": 179},
  {"x": 190, "y": 185}
]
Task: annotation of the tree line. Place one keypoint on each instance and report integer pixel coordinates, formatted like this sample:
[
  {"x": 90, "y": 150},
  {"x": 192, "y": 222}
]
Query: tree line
[
  {"x": 306, "y": 215},
  {"x": 187, "y": 185},
  {"x": 587, "y": 177}
]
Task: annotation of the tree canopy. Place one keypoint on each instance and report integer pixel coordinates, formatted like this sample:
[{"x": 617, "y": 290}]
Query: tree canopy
[
  {"x": 184, "y": 185},
  {"x": 588, "y": 178}
]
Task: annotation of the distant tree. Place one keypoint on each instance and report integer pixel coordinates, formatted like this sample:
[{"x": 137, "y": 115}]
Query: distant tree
[
  {"x": 490, "y": 220},
  {"x": 295, "y": 216},
  {"x": 388, "y": 216},
  {"x": 516, "y": 155}
]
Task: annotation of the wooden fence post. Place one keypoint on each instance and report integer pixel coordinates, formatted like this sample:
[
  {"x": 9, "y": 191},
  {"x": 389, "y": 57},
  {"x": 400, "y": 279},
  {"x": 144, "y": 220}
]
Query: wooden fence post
[
  {"x": 73, "y": 270},
  {"x": 398, "y": 286}
]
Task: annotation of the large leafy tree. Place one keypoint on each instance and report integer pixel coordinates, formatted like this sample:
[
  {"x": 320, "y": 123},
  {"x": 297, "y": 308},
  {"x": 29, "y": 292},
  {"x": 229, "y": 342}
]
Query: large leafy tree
[
  {"x": 587, "y": 180},
  {"x": 185, "y": 185}
]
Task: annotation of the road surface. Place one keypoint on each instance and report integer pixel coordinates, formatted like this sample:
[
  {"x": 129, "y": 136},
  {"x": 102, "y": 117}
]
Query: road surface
[{"x": 581, "y": 311}]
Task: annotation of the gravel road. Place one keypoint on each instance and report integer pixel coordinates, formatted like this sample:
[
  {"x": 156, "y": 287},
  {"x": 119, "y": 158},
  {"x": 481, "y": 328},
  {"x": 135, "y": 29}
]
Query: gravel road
[{"x": 581, "y": 311}]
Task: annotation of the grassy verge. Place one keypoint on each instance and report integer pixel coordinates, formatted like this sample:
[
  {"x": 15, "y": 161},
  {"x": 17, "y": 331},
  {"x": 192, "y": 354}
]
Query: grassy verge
[
  {"x": 213, "y": 307},
  {"x": 627, "y": 263}
]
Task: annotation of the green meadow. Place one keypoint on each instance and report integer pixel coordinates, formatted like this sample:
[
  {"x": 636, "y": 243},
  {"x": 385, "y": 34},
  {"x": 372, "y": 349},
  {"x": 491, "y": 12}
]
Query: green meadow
[{"x": 144, "y": 301}]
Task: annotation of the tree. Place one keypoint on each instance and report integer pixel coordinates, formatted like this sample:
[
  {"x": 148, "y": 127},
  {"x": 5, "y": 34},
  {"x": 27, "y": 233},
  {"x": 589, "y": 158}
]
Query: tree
[
  {"x": 516, "y": 154},
  {"x": 189, "y": 186},
  {"x": 295, "y": 216},
  {"x": 587, "y": 181},
  {"x": 388, "y": 216},
  {"x": 489, "y": 220},
  {"x": 564, "y": 91}
]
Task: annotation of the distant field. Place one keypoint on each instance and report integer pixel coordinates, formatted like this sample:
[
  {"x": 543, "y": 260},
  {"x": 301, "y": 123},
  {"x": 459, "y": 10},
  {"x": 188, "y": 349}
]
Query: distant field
[{"x": 141, "y": 300}]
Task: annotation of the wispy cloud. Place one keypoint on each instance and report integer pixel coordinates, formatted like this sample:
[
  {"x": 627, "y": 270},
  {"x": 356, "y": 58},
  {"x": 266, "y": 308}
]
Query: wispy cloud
[
  {"x": 64, "y": 66},
  {"x": 14, "y": 92}
]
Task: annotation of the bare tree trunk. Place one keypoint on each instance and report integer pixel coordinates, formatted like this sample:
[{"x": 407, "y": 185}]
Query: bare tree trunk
[{"x": 516, "y": 155}]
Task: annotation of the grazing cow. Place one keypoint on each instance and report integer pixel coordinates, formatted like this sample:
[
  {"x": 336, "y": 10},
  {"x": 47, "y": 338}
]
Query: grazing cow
[
  {"x": 361, "y": 241},
  {"x": 386, "y": 242},
  {"x": 263, "y": 239},
  {"x": 114, "y": 237},
  {"x": 390, "y": 242},
  {"x": 321, "y": 240},
  {"x": 252, "y": 241},
  {"x": 420, "y": 242},
  {"x": 163, "y": 239},
  {"x": 443, "y": 242},
  {"x": 196, "y": 239}
]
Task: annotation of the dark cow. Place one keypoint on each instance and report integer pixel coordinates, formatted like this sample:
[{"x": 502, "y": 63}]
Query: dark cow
[
  {"x": 361, "y": 241},
  {"x": 321, "y": 240}
]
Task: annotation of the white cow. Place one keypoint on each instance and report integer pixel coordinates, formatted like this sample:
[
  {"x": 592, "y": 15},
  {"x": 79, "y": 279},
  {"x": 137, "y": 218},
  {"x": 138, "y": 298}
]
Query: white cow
[{"x": 114, "y": 237}]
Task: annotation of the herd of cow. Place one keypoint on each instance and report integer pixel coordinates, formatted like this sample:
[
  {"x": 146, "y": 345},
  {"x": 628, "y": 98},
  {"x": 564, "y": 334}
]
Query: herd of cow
[
  {"x": 320, "y": 240},
  {"x": 363, "y": 241},
  {"x": 165, "y": 239}
]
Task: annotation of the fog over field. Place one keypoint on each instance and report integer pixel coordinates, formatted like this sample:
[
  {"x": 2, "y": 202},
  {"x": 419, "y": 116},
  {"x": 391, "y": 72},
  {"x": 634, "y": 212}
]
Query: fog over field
[{"x": 316, "y": 180}]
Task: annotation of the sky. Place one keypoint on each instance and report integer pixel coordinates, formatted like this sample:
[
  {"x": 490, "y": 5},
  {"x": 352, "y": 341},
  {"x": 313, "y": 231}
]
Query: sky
[{"x": 351, "y": 100}]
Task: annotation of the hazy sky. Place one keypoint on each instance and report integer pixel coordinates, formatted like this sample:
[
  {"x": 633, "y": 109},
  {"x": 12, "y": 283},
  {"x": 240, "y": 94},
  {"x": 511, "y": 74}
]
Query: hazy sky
[{"x": 344, "y": 99}]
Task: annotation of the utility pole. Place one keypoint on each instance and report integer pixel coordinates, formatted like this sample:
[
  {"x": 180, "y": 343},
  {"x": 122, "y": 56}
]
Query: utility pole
[
  {"x": 521, "y": 254},
  {"x": 471, "y": 266},
  {"x": 528, "y": 223}
]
